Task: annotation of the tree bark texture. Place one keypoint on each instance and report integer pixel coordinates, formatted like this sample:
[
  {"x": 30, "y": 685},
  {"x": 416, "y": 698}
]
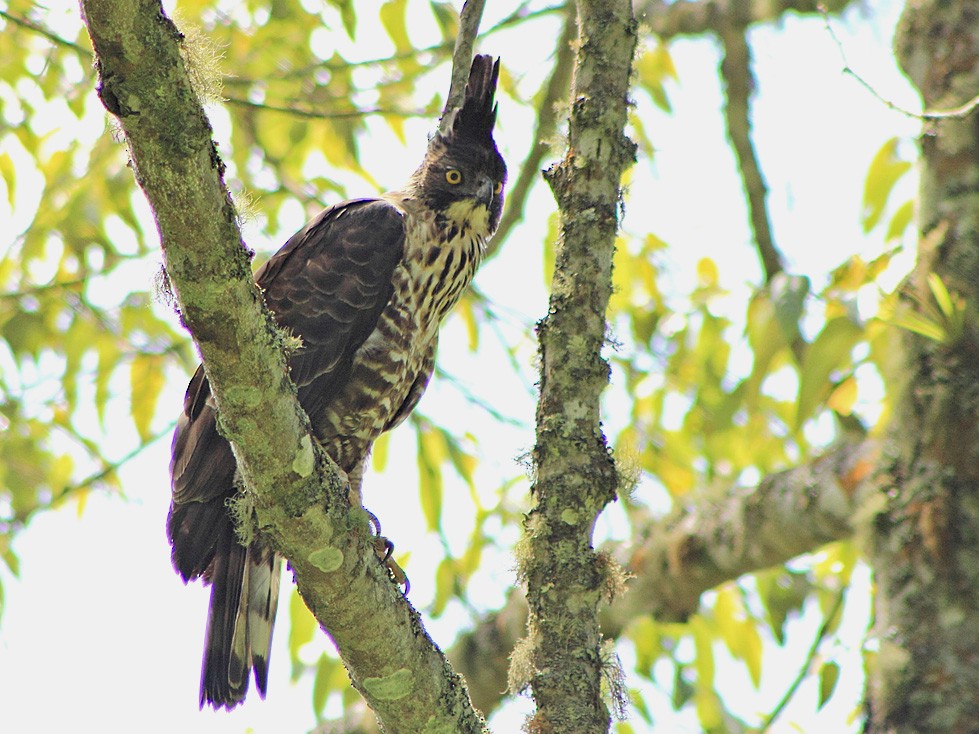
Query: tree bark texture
[
  {"x": 926, "y": 542},
  {"x": 673, "y": 560},
  {"x": 297, "y": 495},
  {"x": 575, "y": 476}
]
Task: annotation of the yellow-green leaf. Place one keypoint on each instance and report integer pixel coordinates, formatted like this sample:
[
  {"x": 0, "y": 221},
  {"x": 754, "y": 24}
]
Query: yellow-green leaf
[
  {"x": 844, "y": 396},
  {"x": 431, "y": 454},
  {"x": 829, "y": 674},
  {"x": 302, "y": 628},
  {"x": 325, "y": 669},
  {"x": 145, "y": 381},
  {"x": 393, "y": 19},
  {"x": 379, "y": 454},
  {"x": 830, "y": 351},
  {"x": 885, "y": 170},
  {"x": 902, "y": 219},
  {"x": 444, "y": 583}
]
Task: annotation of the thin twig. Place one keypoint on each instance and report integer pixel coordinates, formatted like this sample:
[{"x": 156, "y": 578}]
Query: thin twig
[
  {"x": 557, "y": 89},
  {"x": 38, "y": 289},
  {"x": 469, "y": 17},
  {"x": 333, "y": 115},
  {"x": 50, "y": 35},
  {"x": 738, "y": 82},
  {"x": 519, "y": 15},
  {"x": 9, "y": 523},
  {"x": 963, "y": 110},
  {"x": 810, "y": 656}
]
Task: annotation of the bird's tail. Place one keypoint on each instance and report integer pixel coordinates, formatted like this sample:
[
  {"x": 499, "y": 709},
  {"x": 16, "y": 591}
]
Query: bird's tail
[{"x": 244, "y": 595}]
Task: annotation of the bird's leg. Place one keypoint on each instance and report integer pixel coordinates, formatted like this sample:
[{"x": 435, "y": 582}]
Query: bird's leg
[{"x": 383, "y": 548}]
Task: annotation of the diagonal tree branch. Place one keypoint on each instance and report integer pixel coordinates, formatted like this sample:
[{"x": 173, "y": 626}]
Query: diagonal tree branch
[
  {"x": 462, "y": 56},
  {"x": 298, "y": 496}
]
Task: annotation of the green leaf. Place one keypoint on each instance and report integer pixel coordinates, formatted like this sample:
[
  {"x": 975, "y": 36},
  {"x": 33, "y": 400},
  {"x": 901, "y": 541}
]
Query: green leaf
[
  {"x": 704, "y": 660},
  {"x": 654, "y": 68},
  {"x": 789, "y": 294},
  {"x": 738, "y": 631},
  {"x": 302, "y": 628},
  {"x": 347, "y": 15},
  {"x": 781, "y": 592},
  {"x": 682, "y": 691},
  {"x": 431, "y": 454},
  {"x": 393, "y": 14},
  {"x": 901, "y": 220},
  {"x": 447, "y": 18},
  {"x": 829, "y": 674},
  {"x": 830, "y": 351},
  {"x": 9, "y": 173},
  {"x": 445, "y": 576},
  {"x": 379, "y": 454},
  {"x": 645, "y": 635},
  {"x": 322, "y": 683},
  {"x": 885, "y": 170},
  {"x": 146, "y": 382}
]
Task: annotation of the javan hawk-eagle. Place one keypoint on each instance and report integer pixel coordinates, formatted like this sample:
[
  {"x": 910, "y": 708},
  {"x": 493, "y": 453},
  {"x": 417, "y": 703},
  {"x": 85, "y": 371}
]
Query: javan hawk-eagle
[{"x": 365, "y": 285}]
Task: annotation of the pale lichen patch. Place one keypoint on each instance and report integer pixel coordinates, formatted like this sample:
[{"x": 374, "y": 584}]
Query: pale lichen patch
[
  {"x": 390, "y": 687},
  {"x": 327, "y": 559},
  {"x": 305, "y": 461}
]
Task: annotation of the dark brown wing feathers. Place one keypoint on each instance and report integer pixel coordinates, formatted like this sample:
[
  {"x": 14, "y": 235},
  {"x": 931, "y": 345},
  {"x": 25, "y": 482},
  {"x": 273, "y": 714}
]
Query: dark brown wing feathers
[{"x": 329, "y": 283}]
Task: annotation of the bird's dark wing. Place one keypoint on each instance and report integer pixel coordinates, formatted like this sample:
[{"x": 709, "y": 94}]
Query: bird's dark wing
[{"x": 328, "y": 284}]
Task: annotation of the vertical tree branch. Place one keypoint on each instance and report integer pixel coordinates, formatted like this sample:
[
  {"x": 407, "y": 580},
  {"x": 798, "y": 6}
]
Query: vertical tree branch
[
  {"x": 739, "y": 83},
  {"x": 575, "y": 474},
  {"x": 298, "y": 496},
  {"x": 925, "y": 551}
]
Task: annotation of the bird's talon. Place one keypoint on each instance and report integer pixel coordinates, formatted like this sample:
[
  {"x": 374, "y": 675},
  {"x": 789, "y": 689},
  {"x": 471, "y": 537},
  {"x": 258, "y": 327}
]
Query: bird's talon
[
  {"x": 384, "y": 550},
  {"x": 375, "y": 523}
]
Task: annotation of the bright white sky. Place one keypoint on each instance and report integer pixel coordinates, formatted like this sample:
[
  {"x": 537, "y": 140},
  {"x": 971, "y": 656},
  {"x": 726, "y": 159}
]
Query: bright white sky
[{"x": 99, "y": 634}]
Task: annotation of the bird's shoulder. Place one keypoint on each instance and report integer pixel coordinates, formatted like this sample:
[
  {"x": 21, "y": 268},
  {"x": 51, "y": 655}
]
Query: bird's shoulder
[{"x": 358, "y": 233}]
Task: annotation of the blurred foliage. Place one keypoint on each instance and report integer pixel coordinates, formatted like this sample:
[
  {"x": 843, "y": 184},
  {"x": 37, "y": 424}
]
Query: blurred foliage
[{"x": 716, "y": 394}]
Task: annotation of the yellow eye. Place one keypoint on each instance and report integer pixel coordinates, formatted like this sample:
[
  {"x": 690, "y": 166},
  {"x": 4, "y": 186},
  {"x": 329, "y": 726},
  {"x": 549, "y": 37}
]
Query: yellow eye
[
  {"x": 498, "y": 188},
  {"x": 453, "y": 176}
]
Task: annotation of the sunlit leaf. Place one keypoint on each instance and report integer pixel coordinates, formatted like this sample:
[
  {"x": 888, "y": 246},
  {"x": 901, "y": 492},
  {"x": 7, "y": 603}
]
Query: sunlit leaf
[
  {"x": 654, "y": 68},
  {"x": 432, "y": 453},
  {"x": 445, "y": 576},
  {"x": 844, "y": 396},
  {"x": 830, "y": 351},
  {"x": 379, "y": 454},
  {"x": 829, "y": 674},
  {"x": 393, "y": 19},
  {"x": 146, "y": 381},
  {"x": 885, "y": 170},
  {"x": 9, "y": 174},
  {"x": 902, "y": 219},
  {"x": 707, "y": 272},
  {"x": 322, "y": 682},
  {"x": 302, "y": 628}
]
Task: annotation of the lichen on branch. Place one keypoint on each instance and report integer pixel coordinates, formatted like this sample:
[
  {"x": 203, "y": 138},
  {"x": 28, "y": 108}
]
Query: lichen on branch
[{"x": 575, "y": 476}]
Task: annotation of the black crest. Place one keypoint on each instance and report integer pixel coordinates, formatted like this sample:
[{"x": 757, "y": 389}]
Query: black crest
[{"x": 476, "y": 117}]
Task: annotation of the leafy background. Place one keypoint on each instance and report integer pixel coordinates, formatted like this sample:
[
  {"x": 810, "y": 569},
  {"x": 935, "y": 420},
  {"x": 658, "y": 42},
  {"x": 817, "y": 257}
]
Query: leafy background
[{"x": 719, "y": 378}]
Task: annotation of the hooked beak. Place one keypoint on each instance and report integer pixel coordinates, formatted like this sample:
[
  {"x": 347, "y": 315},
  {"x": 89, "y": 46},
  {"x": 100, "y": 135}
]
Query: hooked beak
[{"x": 484, "y": 193}]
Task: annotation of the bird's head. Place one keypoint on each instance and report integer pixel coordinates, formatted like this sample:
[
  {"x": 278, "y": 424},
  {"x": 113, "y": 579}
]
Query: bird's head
[{"x": 463, "y": 174}]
